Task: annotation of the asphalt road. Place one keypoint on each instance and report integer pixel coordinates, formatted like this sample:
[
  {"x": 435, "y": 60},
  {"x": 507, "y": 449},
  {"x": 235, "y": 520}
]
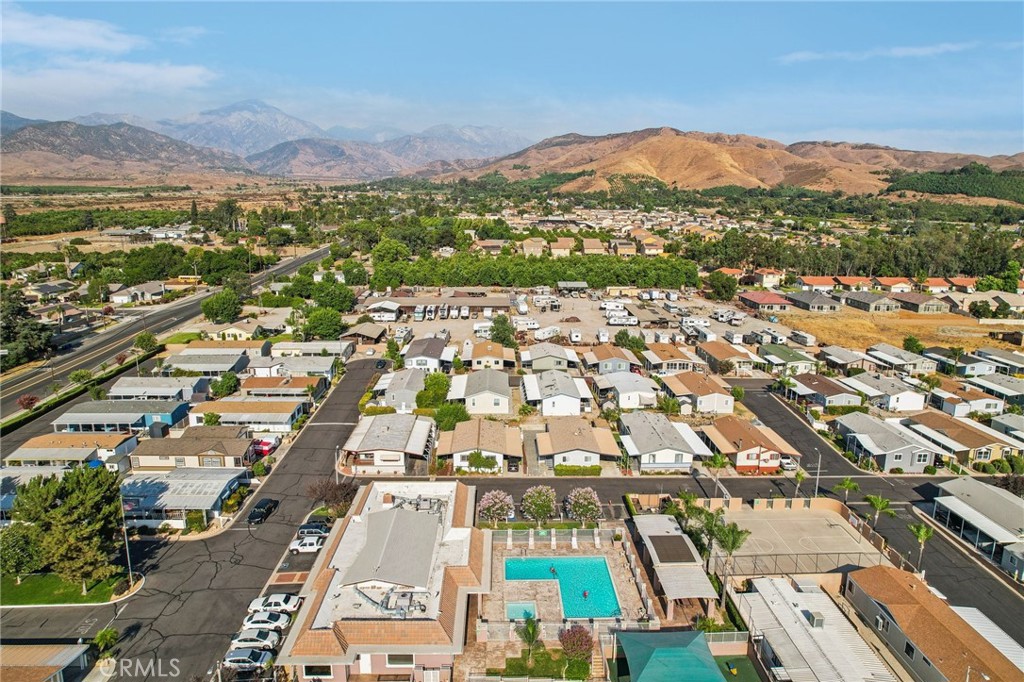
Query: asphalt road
[
  {"x": 196, "y": 592},
  {"x": 797, "y": 432},
  {"x": 956, "y": 574},
  {"x": 104, "y": 346}
]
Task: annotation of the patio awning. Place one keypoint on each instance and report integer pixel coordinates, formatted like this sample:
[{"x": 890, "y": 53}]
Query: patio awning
[
  {"x": 977, "y": 519},
  {"x": 685, "y": 582},
  {"x": 669, "y": 657}
]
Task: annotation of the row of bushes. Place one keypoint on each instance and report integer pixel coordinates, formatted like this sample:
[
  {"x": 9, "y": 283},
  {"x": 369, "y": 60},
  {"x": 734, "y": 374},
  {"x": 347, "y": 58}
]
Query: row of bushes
[
  {"x": 235, "y": 499},
  {"x": 574, "y": 470},
  {"x": 996, "y": 466},
  {"x": 840, "y": 410}
]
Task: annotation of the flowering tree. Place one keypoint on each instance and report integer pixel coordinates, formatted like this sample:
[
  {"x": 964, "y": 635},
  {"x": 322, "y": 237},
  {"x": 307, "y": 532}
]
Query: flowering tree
[
  {"x": 27, "y": 401},
  {"x": 495, "y": 505},
  {"x": 584, "y": 505},
  {"x": 577, "y": 643},
  {"x": 539, "y": 503}
]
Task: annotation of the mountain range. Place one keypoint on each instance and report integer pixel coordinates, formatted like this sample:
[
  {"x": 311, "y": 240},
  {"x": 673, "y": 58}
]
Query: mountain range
[
  {"x": 252, "y": 137},
  {"x": 696, "y": 160}
]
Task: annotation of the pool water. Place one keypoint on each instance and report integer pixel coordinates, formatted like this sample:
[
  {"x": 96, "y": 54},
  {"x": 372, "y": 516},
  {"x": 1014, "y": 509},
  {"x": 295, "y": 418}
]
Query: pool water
[
  {"x": 520, "y": 610},
  {"x": 575, "y": 575}
]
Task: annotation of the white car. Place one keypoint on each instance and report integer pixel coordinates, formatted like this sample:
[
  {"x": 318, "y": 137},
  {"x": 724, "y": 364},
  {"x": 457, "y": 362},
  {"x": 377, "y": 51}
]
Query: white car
[
  {"x": 247, "y": 659},
  {"x": 283, "y": 603},
  {"x": 788, "y": 463},
  {"x": 266, "y": 640},
  {"x": 266, "y": 620},
  {"x": 310, "y": 544}
]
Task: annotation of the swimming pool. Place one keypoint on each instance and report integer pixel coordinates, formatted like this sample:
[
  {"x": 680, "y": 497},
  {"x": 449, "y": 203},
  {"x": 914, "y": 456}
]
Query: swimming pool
[
  {"x": 575, "y": 575},
  {"x": 520, "y": 610}
]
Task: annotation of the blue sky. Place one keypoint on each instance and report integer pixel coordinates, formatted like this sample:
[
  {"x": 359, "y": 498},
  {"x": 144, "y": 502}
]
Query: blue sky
[{"x": 943, "y": 75}]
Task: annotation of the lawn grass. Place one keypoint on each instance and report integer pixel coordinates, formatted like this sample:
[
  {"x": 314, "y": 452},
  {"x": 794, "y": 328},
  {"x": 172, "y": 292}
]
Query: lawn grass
[
  {"x": 182, "y": 337},
  {"x": 47, "y": 588},
  {"x": 280, "y": 337},
  {"x": 545, "y": 664},
  {"x": 745, "y": 671}
]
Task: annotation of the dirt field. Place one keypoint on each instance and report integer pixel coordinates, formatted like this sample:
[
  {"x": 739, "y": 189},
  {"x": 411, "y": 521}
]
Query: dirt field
[{"x": 859, "y": 329}]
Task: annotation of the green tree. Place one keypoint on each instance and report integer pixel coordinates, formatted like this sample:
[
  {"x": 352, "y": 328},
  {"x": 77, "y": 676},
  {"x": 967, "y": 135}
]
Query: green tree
[
  {"x": 738, "y": 393},
  {"x": 478, "y": 461},
  {"x": 717, "y": 462},
  {"x": 725, "y": 367},
  {"x": 847, "y": 485},
  {"x": 668, "y": 404},
  {"x": 502, "y": 332},
  {"x": 107, "y": 638},
  {"x": 146, "y": 342},
  {"x": 435, "y": 391},
  {"x": 193, "y": 213},
  {"x": 624, "y": 339},
  {"x": 799, "y": 477},
  {"x": 211, "y": 419},
  {"x": 912, "y": 344},
  {"x": 390, "y": 251},
  {"x": 730, "y": 538},
  {"x": 324, "y": 323},
  {"x": 227, "y": 384},
  {"x": 23, "y": 336},
  {"x": 222, "y": 307},
  {"x": 450, "y": 414},
  {"x": 881, "y": 505},
  {"x": 922, "y": 533},
  {"x": 80, "y": 376},
  {"x": 78, "y": 519},
  {"x": 20, "y": 553},
  {"x": 721, "y": 286},
  {"x": 529, "y": 632}
]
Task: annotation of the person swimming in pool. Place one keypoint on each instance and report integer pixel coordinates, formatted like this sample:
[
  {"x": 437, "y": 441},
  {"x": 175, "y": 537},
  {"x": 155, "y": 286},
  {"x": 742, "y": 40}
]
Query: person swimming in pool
[
  {"x": 586, "y": 594},
  {"x": 554, "y": 573}
]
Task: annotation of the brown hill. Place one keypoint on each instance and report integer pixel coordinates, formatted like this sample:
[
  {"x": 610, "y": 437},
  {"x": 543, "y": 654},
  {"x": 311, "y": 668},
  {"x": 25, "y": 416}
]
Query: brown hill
[{"x": 697, "y": 160}]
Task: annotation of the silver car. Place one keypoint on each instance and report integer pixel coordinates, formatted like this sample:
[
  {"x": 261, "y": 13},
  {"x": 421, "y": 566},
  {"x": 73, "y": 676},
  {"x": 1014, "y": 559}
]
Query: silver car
[
  {"x": 247, "y": 659},
  {"x": 266, "y": 640}
]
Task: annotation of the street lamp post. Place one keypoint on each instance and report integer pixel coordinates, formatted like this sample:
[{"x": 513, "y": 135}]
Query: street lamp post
[
  {"x": 817, "y": 474},
  {"x": 124, "y": 531},
  {"x": 337, "y": 462}
]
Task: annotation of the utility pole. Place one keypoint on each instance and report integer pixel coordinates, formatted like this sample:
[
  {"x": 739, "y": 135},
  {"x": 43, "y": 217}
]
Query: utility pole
[
  {"x": 817, "y": 474},
  {"x": 124, "y": 530}
]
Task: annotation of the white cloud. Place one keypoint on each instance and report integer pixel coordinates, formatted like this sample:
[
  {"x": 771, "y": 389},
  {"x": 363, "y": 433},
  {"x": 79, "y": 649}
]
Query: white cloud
[
  {"x": 182, "y": 35},
  {"x": 69, "y": 86},
  {"x": 61, "y": 34},
  {"x": 899, "y": 52}
]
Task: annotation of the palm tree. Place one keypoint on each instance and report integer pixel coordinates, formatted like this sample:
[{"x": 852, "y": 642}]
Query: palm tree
[
  {"x": 708, "y": 527},
  {"x": 688, "y": 507},
  {"x": 105, "y": 639},
  {"x": 529, "y": 632},
  {"x": 881, "y": 506},
  {"x": 730, "y": 538},
  {"x": 955, "y": 353},
  {"x": 847, "y": 485},
  {"x": 923, "y": 533},
  {"x": 799, "y": 477},
  {"x": 717, "y": 462}
]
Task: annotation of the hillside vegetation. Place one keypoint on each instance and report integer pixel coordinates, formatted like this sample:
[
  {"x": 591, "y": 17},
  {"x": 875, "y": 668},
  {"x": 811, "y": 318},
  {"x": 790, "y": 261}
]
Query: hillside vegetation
[{"x": 973, "y": 180}]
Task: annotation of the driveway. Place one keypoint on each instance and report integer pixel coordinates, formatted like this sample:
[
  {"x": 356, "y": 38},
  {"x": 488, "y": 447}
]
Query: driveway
[
  {"x": 777, "y": 416},
  {"x": 196, "y": 592}
]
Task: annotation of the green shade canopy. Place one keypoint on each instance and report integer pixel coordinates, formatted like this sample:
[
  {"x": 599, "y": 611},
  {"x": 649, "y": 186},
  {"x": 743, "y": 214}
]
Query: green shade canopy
[{"x": 669, "y": 657}]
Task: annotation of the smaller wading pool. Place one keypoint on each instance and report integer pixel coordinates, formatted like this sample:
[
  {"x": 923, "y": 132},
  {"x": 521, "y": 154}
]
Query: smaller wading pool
[{"x": 520, "y": 610}]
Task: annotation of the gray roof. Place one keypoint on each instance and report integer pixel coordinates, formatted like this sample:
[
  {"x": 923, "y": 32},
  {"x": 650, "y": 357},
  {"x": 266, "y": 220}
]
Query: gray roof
[
  {"x": 842, "y": 355},
  {"x": 551, "y": 383},
  {"x": 399, "y": 548},
  {"x": 395, "y": 432},
  {"x": 996, "y": 504},
  {"x": 295, "y": 364},
  {"x": 652, "y": 431},
  {"x": 546, "y": 350},
  {"x": 224, "y": 363},
  {"x": 367, "y": 329},
  {"x": 1004, "y": 356},
  {"x": 885, "y": 436},
  {"x": 626, "y": 382},
  {"x": 130, "y": 410},
  {"x": 868, "y": 297},
  {"x": 155, "y": 385},
  {"x": 183, "y": 488},
  {"x": 488, "y": 380},
  {"x": 880, "y": 383},
  {"x": 407, "y": 380},
  {"x": 811, "y": 298},
  {"x": 904, "y": 356},
  {"x": 1006, "y": 384},
  {"x": 426, "y": 347}
]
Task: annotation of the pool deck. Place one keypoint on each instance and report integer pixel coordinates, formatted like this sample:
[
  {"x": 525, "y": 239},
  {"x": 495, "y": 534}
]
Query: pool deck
[{"x": 545, "y": 593}]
